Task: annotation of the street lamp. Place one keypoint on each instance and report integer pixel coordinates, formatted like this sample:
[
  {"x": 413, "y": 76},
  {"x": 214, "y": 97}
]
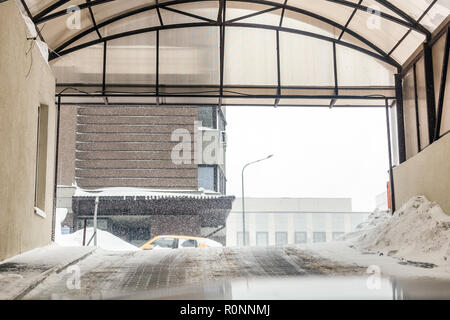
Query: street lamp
[{"x": 243, "y": 196}]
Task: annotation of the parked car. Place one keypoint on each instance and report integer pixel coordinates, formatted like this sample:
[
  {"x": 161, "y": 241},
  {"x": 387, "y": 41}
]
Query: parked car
[{"x": 176, "y": 242}]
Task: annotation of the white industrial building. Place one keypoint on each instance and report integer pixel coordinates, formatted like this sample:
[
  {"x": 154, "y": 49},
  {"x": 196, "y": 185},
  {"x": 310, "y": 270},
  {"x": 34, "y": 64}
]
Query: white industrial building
[{"x": 280, "y": 221}]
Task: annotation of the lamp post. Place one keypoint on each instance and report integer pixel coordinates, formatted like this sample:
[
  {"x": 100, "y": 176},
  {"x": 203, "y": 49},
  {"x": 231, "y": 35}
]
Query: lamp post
[{"x": 243, "y": 196}]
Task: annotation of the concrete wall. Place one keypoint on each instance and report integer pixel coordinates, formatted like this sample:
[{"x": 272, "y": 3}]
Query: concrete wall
[
  {"x": 66, "y": 148},
  {"x": 293, "y": 204},
  {"x": 26, "y": 82},
  {"x": 427, "y": 173}
]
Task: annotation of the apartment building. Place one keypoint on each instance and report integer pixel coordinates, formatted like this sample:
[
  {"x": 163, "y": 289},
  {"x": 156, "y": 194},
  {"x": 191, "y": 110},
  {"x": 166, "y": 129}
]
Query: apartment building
[{"x": 155, "y": 169}]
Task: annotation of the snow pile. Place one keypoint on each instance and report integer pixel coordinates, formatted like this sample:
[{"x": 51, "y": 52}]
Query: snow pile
[
  {"x": 105, "y": 240},
  {"x": 372, "y": 221},
  {"x": 419, "y": 231}
]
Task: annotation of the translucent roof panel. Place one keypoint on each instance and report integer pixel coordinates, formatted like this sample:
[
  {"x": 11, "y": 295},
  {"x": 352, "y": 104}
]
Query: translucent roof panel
[
  {"x": 366, "y": 23},
  {"x": 372, "y": 38},
  {"x": 236, "y": 10},
  {"x": 295, "y": 20},
  {"x": 132, "y": 60},
  {"x": 115, "y": 8},
  {"x": 189, "y": 56},
  {"x": 250, "y": 57},
  {"x": 305, "y": 61},
  {"x": 141, "y": 20},
  {"x": 413, "y": 8},
  {"x": 436, "y": 15},
  {"x": 408, "y": 46},
  {"x": 355, "y": 68},
  {"x": 326, "y": 9},
  {"x": 61, "y": 28},
  {"x": 82, "y": 66}
]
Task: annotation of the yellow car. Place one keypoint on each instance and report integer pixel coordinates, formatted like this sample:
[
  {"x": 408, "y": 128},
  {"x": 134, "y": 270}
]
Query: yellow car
[{"x": 176, "y": 242}]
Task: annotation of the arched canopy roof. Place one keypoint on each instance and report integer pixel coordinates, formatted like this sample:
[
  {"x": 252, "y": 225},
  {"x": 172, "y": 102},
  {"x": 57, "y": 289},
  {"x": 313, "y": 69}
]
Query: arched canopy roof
[{"x": 235, "y": 49}]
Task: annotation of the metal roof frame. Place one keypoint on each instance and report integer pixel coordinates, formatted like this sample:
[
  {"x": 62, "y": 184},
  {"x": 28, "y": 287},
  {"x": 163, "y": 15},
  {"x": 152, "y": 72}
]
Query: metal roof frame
[{"x": 396, "y": 15}]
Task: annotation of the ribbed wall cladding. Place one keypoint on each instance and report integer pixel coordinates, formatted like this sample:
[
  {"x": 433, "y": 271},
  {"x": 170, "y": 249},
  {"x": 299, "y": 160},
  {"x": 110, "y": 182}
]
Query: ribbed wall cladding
[{"x": 123, "y": 146}]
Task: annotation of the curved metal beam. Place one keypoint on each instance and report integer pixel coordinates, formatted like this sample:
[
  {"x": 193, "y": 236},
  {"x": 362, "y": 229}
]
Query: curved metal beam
[
  {"x": 94, "y": 22},
  {"x": 38, "y": 19},
  {"x": 119, "y": 17},
  {"x": 188, "y": 14},
  {"x": 387, "y": 60},
  {"x": 49, "y": 9},
  {"x": 409, "y": 31},
  {"x": 410, "y": 24},
  {"x": 404, "y": 15},
  {"x": 269, "y": 3}
]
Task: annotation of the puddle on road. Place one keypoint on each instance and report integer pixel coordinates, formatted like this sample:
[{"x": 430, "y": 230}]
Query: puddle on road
[{"x": 306, "y": 288}]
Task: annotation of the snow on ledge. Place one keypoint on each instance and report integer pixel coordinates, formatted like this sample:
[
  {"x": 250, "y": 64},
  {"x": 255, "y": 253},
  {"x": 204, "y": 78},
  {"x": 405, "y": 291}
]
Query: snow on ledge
[{"x": 148, "y": 193}]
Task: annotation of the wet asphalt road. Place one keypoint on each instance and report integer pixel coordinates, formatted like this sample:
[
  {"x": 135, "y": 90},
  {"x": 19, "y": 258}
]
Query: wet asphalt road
[{"x": 107, "y": 274}]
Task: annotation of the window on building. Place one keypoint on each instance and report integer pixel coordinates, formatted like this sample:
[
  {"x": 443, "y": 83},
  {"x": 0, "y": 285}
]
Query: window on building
[
  {"x": 262, "y": 238},
  {"x": 208, "y": 117},
  {"x": 41, "y": 160},
  {"x": 319, "y": 237},
  {"x": 207, "y": 177},
  {"x": 102, "y": 224},
  {"x": 300, "y": 237},
  {"x": 140, "y": 233},
  {"x": 222, "y": 122},
  {"x": 240, "y": 239},
  {"x": 336, "y": 235},
  {"x": 281, "y": 238},
  {"x": 222, "y": 182}
]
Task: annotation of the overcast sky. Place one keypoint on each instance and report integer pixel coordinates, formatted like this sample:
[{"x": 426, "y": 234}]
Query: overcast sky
[{"x": 317, "y": 153}]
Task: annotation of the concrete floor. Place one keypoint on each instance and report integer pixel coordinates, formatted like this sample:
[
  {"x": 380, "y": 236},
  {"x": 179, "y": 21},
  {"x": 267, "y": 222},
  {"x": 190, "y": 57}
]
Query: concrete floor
[{"x": 106, "y": 274}]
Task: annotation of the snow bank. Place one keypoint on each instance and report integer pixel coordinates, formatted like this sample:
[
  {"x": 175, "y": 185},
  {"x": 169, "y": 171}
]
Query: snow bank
[
  {"x": 418, "y": 231},
  {"x": 105, "y": 240}
]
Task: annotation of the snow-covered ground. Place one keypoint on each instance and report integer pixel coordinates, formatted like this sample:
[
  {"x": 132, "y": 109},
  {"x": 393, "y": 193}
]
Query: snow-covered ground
[
  {"x": 412, "y": 244},
  {"x": 105, "y": 240},
  {"x": 19, "y": 273}
]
